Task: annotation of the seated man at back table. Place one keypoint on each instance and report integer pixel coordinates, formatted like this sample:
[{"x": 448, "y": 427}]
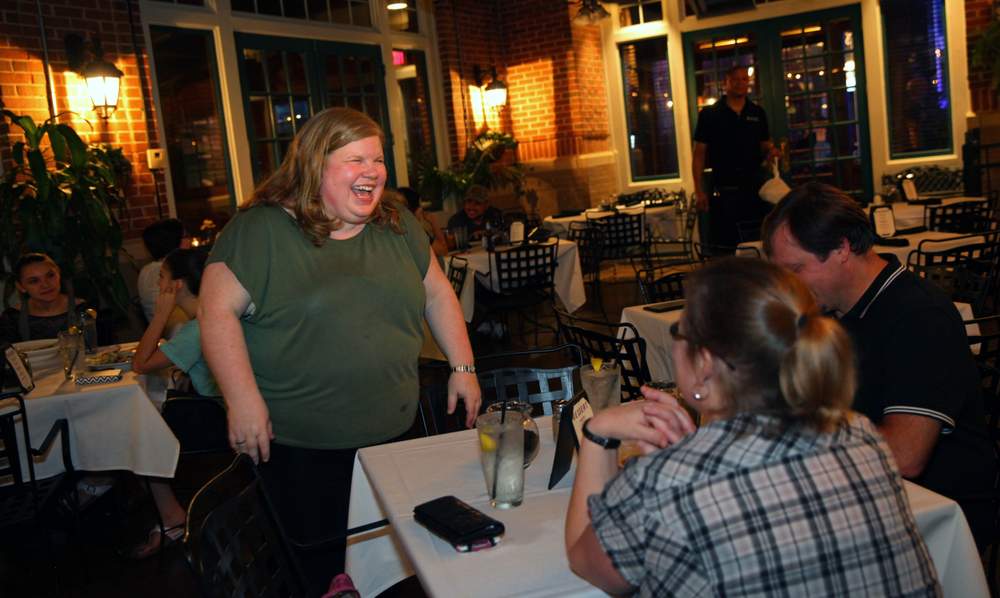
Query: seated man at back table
[
  {"x": 917, "y": 379},
  {"x": 475, "y": 213}
]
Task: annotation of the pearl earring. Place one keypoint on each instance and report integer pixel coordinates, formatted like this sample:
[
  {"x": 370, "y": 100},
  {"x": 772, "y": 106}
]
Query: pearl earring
[{"x": 697, "y": 396}]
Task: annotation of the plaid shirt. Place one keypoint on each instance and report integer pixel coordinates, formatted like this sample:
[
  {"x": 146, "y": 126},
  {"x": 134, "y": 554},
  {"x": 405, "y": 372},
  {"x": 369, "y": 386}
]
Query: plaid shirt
[{"x": 742, "y": 508}]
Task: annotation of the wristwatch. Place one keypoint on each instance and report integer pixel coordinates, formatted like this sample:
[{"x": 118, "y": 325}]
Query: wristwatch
[
  {"x": 464, "y": 369},
  {"x": 608, "y": 443}
]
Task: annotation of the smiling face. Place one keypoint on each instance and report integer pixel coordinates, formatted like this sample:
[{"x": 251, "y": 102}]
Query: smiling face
[
  {"x": 823, "y": 277},
  {"x": 40, "y": 280},
  {"x": 738, "y": 83},
  {"x": 353, "y": 180}
]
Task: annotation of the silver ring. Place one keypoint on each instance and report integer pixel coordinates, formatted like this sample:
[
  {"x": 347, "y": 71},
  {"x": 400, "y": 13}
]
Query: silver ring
[{"x": 241, "y": 442}]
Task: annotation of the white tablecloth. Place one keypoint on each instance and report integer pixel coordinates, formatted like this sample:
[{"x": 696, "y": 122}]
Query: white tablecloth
[
  {"x": 655, "y": 328},
  {"x": 389, "y": 480},
  {"x": 111, "y": 426},
  {"x": 941, "y": 241},
  {"x": 662, "y": 220},
  {"x": 568, "y": 277},
  {"x": 909, "y": 215}
]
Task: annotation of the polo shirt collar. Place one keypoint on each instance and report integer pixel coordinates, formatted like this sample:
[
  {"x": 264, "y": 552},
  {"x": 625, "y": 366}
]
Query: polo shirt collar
[{"x": 889, "y": 273}]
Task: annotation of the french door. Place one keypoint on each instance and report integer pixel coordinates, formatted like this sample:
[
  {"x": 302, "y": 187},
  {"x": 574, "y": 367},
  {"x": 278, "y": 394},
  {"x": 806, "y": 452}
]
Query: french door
[
  {"x": 807, "y": 72},
  {"x": 285, "y": 81}
]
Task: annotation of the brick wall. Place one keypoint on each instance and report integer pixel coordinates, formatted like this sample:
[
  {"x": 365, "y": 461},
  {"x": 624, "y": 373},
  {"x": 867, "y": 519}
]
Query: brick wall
[
  {"x": 22, "y": 85},
  {"x": 978, "y": 14},
  {"x": 556, "y": 94}
]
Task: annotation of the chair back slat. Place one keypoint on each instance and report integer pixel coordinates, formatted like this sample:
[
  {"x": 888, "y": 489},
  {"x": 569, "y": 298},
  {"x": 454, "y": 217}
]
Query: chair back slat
[
  {"x": 235, "y": 543},
  {"x": 661, "y": 284},
  {"x": 458, "y": 269},
  {"x": 588, "y": 243},
  {"x": 964, "y": 217},
  {"x": 622, "y": 234},
  {"x": 621, "y": 344},
  {"x": 524, "y": 267}
]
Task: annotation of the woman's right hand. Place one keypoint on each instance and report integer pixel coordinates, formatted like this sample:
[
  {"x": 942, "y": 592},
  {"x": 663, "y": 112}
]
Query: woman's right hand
[
  {"x": 166, "y": 299},
  {"x": 250, "y": 429}
]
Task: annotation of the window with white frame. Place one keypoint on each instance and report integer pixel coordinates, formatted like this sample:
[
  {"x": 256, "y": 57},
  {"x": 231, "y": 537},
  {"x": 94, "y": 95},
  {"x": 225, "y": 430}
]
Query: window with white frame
[{"x": 649, "y": 109}]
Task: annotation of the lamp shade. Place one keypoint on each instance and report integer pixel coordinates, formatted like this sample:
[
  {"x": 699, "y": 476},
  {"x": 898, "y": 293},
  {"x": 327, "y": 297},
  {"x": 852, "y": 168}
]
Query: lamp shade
[
  {"x": 103, "y": 83},
  {"x": 496, "y": 93}
]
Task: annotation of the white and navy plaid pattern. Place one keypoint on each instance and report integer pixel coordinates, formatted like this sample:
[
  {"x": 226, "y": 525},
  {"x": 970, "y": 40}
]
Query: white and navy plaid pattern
[{"x": 744, "y": 508}]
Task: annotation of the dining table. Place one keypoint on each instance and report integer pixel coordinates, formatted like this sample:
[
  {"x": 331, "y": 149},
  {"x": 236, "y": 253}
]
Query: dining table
[
  {"x": 568, "y": 280},
  {"x": 530, "y": 560},
  {"x": 663, "y": 221},
  {"x": 910, "y": 215},
  {"x": 933, "y": 241},
  {"x": 112, "y": 426},
  {"x": 654, "y": 326}
]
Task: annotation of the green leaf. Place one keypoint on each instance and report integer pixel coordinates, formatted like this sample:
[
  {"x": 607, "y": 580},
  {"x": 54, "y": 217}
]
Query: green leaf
[
  {"x": 77, "y": 147},
  {"x": 40, "y": 171},
  {"x": 58, "y": 141}
]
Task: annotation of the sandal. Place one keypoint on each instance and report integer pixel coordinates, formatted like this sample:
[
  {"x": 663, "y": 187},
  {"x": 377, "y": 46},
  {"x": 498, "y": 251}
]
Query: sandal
[{"x": 156, "y": 540}]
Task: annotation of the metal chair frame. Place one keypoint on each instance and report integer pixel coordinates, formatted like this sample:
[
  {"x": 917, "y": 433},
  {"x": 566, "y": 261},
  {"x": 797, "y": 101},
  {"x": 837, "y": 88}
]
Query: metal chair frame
[
  {"x": 967, "y": 272},
  {"x": 532, "y": 385},
  {"x": 458, "y": 269},
  {"x": 964, "y": 217},
  {"x": 623, "y": 345},
  {"x": 661, "y": 284}
]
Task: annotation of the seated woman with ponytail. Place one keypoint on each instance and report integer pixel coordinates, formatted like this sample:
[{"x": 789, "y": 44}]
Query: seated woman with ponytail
[{"x": 781, "y": 490}]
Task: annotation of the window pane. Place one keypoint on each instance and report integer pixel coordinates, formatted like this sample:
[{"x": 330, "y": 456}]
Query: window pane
[
  {"x": 193, "y": 124},
  {"x": 917, "y": 73},
  {"x": 411, "y": 76},
  {"x": 649, "y": 109}
]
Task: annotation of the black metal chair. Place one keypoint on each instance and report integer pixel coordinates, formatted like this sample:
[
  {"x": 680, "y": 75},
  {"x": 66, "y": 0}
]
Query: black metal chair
[
  {"x": 661, "y": 284},
  {"x": 588, "y": 243},
  {"x": 458, "y": 269},
  {"x": 234, "y": 541},
  {"x": 538, "y": 384},
  {"x": 619, "y": 343},
  {"x": 964, "y": 217},
  {"x": 521, "y": 277},
  {"x": 967, "y": 270},
  {"x": 623, "y": 234},
  {"x": 666, "y": 251},
  {"x": 24, "y": 499}
]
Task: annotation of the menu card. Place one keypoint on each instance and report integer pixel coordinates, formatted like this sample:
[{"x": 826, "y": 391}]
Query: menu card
[{"x": 572, "y": 418}]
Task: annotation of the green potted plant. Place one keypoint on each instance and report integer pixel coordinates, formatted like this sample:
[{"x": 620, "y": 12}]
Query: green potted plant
[
  {"x": 61, "y": 200},
  {"x": 483, "y": 164}
]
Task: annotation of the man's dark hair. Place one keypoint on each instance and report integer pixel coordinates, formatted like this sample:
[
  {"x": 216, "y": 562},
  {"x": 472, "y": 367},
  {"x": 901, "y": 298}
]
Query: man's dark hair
[
  {"x": 734, "y": 68},
  {"x": 163, "y": 237},
  {"x": 820, "y": 216}
]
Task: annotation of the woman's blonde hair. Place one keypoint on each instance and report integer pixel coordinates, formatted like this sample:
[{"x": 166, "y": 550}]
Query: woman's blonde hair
[
  {"x": 296, "y": 184},
  {"x": 779, "y": 354}
]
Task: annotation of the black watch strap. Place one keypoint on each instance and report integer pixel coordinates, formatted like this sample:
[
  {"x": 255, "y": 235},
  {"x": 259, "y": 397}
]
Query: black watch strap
[{"x": 608, "y": 443}]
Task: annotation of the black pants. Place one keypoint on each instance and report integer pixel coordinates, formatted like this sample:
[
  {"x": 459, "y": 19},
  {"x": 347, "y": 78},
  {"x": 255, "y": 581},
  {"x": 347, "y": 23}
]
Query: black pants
[
  {"x": 311, "y": 490},
  {"x": 733, "y": 210}
]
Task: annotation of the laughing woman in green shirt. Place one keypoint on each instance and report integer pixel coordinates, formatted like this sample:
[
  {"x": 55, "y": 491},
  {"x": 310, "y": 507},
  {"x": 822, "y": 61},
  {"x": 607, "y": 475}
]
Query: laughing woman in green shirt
[{"x": 311, "y": 317}]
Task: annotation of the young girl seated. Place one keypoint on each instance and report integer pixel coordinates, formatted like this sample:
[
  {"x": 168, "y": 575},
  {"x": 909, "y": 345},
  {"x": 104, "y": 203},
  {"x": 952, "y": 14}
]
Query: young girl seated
[
  {"x": 45, "y": 308},
  {"x": 180, "y": 281}
]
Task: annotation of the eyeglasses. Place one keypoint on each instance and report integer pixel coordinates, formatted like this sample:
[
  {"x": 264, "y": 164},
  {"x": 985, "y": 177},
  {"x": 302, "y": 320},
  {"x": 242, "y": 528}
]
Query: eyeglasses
[{"x": 677, "y": 335}]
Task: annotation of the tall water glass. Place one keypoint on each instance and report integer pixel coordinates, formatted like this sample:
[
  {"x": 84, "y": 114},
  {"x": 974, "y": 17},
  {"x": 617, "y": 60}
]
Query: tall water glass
[
  {"x": 501, "y": 453},
  {"x": 70, "y": 348}
]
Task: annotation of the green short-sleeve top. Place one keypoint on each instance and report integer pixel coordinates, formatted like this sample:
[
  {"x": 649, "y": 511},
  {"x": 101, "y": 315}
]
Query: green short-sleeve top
[{"x": 333, "y": 332}]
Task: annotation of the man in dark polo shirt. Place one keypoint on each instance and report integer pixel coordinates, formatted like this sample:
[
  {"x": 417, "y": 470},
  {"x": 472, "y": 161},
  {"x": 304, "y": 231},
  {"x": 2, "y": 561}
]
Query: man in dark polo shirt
[
  {"x": 733, "y": 139},
  {"x": 917, "y": 379}
]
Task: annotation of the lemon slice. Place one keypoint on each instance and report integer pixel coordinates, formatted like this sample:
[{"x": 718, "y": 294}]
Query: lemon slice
[
  {"x": 596, "y": 363},
  {"x": 487, "y": 443}
]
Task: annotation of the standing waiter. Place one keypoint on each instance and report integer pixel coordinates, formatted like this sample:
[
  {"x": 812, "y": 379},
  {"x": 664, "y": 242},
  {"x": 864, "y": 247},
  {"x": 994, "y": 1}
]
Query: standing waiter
[{"x": 733, "y": 135}]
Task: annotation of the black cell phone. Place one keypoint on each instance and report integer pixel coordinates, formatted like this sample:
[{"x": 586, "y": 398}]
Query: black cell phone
[
  {"x": 466, "y": 528},
  {"x": 659, "y": 308}
]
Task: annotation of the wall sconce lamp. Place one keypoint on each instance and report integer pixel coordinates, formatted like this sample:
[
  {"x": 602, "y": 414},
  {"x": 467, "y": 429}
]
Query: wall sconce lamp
[
  {"x": 103, "y": 78},
  {"x": 590, "y": 13},
  {"x": 495, "y": 92},
  {"x": 394, "y": 5}
]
